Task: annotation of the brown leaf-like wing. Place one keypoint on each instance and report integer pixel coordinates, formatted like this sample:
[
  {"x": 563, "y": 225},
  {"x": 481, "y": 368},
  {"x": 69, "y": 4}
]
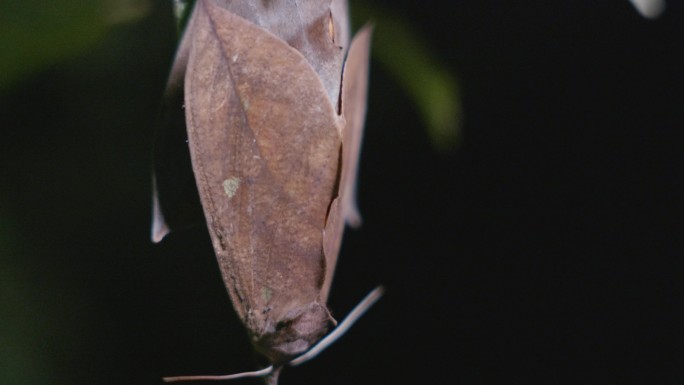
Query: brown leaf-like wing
[
  {"x": 306, "y": 26},
  {"x": 265, "y": 145},
  {"x": 354, "y": 93},
  {"x": 309, "y": 27}
]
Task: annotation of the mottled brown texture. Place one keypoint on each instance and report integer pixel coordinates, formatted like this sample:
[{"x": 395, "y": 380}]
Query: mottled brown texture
[
  {"x": 273, "y": 158},
  {"x": 303, "y": 24},
  {"x": 282, "y": 144}
]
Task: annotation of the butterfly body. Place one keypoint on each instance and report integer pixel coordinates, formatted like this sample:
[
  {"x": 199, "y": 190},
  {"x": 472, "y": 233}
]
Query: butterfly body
[{"x": 272, "y": 123}]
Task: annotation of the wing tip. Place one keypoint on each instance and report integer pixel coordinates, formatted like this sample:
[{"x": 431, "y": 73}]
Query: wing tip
[
  {"x": 353, "y": 218},
  {"x": 159, "y": 227}
]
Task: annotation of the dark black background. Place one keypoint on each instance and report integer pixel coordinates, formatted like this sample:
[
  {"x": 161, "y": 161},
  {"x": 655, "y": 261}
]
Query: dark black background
[{"x": 546, "y": 248}]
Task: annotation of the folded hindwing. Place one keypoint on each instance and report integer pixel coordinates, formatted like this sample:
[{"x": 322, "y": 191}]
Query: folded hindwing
[{"x": 354, "y": 93}]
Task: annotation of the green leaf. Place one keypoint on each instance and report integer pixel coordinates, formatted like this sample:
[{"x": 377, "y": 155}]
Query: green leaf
[
  {"x": 181, "y": 12},
  {"x": 37, "y": 34},
  {"x": 410, "y": 60}
]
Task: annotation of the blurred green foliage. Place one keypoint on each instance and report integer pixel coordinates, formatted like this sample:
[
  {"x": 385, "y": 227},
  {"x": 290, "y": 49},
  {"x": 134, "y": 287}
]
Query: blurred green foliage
[
  {"x": 74, "y": 93},
  {"x": 36, "y": 34},
  {"x": 413, "y": 63},
  {"x": 22, "y": 360}
]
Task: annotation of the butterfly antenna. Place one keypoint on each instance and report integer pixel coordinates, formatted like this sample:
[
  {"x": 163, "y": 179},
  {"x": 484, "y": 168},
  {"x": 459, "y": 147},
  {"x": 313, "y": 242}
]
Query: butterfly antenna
[
  {"x": 259, "y": 373},
  {"x": 343, "y": 326}
]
